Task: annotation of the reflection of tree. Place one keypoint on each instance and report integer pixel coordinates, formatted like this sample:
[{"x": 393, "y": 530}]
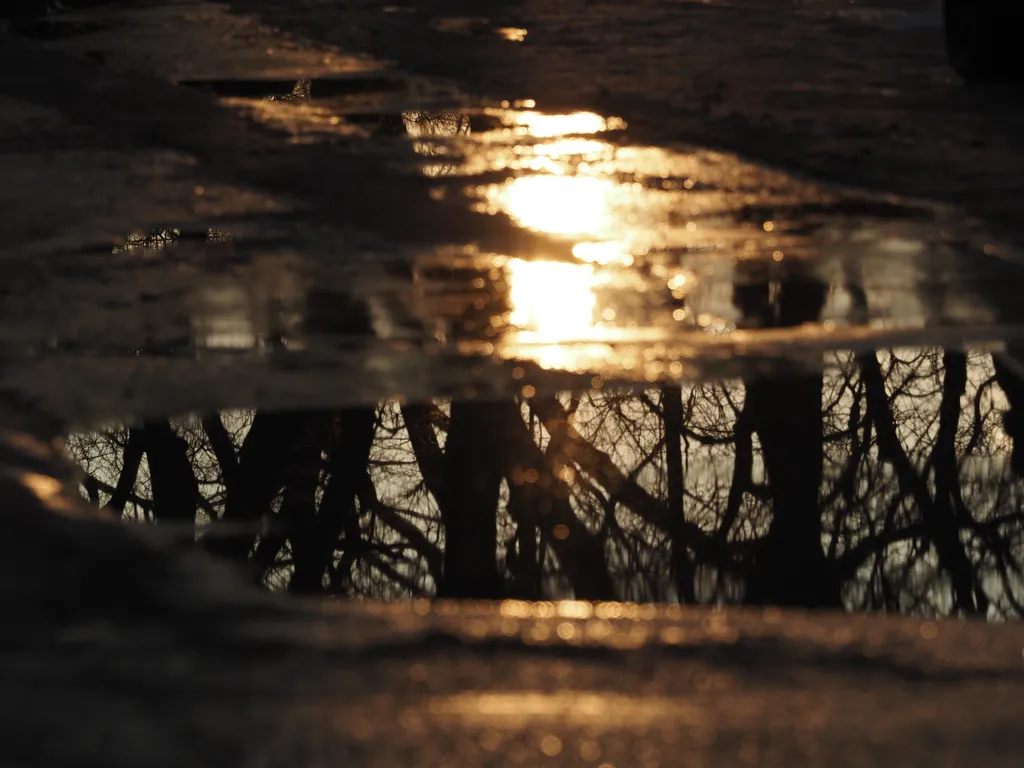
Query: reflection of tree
[
  {"x": 924, "y": 515},
  {"x": 883, "y": 482},
  {"x": 785, "y": 414},
  {"x": 887, "y": 482},
  {"x": 427, "y": 128},
  {"x": 302, "y": 91}
]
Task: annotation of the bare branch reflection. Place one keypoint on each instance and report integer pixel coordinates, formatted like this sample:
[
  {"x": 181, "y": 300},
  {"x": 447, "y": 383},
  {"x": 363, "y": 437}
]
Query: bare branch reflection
[
  {"x": 885, "y": 483},
  {"x": 880, "y": 480}
]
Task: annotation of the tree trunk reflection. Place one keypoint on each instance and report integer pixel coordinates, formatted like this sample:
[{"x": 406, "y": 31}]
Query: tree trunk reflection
[{"x": 881, "y": 481}]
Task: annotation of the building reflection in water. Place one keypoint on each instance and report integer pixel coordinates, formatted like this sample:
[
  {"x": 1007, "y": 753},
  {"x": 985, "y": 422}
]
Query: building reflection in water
[{"x": 884, "y": 484}]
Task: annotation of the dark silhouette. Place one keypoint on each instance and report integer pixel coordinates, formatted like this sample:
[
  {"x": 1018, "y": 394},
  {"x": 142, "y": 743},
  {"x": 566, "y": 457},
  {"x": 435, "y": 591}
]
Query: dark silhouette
[
  {"x": 982, "y": 38},
  {"x": 869, "y": 485},
  {"x": 784, "y": 411}
]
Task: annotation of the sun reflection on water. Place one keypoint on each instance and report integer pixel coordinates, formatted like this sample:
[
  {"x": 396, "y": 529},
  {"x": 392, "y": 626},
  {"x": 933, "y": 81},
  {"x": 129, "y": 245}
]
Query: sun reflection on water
[
  {"x": 551, "y": 301},
  {"x": 544, "y": 125},
  {"x": 603, "y": 253},
  {"x": 557, "y": 205},
  {"x": 589, "y": 149},
  {"x": 656, "y": 235},
  {"x": 512, "y": 34},
  {"x": 570, "y": 316}
]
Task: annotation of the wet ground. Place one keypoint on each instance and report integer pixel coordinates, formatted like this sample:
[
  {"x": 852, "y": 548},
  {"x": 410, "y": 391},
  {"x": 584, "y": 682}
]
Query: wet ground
[{"x": 418, "y": 303}]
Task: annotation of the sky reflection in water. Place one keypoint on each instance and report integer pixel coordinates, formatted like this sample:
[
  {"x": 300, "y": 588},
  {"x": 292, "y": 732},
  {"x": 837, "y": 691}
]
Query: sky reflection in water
[
  {"x": 823, "y": 489},
  {"x": 656, "y": 254}
]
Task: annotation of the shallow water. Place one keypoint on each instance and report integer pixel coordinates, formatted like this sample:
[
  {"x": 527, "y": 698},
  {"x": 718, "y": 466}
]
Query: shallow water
[
  {"x": 358, "y": 332},
  {"x": 782, "y": 376},
  {"x": 864, "y": 461}
]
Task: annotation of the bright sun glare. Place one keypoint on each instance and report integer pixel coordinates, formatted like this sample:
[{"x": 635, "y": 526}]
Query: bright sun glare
[
  {"x": 545, "y": 126},
  {"x": 558, "y": 205},
  {"x": 552, "y": 301}
]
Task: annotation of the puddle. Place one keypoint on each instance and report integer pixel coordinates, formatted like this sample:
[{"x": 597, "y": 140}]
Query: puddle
[
  {"x": 886, "y": 482},
  {"x": 361, "y": 335},
  {"x": 654, "y": 253},
  {"x": 433, "y": 305},
  {"x": 364, "y": 336},
  {"x": 649, "y": 265}
]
